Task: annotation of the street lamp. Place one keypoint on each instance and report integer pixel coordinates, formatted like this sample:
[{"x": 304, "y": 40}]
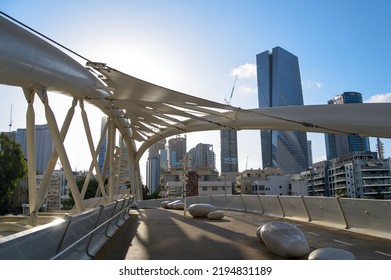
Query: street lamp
[
  {"x": 186, "y": 160},
  {"x": 225, "y": 184},
  {"x": 183, "y": 180}
]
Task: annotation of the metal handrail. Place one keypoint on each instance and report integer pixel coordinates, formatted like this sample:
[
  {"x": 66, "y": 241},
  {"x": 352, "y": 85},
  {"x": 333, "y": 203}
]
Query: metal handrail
[{"x": 70, "y": 247}]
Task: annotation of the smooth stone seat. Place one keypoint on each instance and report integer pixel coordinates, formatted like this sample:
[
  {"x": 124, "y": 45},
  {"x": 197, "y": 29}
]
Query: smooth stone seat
[
  {"x": 201, "y": 210},
  {"x": 179, "y": 206},
  {"x": 258, "y": 233},
  {"x": 170, "y": 205},
  {"x": 331, "y": 254},
  {"x": 215, "y": 215},
  {"x": 164, "y": 204},
  {"x": 284, "y": 239}
]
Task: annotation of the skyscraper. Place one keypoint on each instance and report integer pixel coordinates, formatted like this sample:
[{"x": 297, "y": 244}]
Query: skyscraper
[
  {"x": 156, "y": 164},
  {"x": 202, "y": 155},
  {"x": 102, "y": 150},
  {"x": 343, "y": 144},
  {"x": 177, "y": 149},
  {"x": 44, "y": 145},
  {"x": 229, "y": 150},
  {"x": 279, "y": 84}
]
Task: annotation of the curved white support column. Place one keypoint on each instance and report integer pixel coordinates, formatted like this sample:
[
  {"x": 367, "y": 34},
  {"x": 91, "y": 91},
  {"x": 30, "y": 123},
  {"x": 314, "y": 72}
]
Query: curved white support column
[
  {"x": 52, "y": 164},
  {"x": 110, "y": 154},
  {"x": 133, "y": 168},
  {"x": 30, "y": 131},
  {"x": 120, "y": 158},
  {"x": 59, "y": 145},
  {"x": 87, "y": 180},
  {"x": 92, "y": 149}
]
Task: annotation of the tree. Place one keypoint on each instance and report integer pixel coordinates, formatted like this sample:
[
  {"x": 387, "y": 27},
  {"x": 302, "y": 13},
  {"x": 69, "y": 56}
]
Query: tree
[
  {"x": 93, "y": 185},
  {"x": 12, "y": 168}
]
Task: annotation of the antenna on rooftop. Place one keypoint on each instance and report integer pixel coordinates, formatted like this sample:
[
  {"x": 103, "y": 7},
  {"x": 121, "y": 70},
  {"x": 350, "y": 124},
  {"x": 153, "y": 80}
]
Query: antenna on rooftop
[{"x": 10, "y": 125}]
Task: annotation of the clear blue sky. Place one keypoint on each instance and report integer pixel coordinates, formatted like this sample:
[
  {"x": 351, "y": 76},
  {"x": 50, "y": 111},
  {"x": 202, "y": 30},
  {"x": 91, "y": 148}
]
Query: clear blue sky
[{"x": 197, "y": 47}]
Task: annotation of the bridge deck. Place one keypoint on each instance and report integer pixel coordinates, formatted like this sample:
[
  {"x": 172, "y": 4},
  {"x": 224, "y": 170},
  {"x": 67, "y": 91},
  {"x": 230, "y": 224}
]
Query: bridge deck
[{"x": 161, "y": 234}]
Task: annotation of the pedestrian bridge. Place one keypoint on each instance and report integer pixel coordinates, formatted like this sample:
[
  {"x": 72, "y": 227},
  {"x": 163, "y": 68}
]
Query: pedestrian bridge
[
  {"x": 142, "y": 113},
  {"x": 129, "y": 229}
]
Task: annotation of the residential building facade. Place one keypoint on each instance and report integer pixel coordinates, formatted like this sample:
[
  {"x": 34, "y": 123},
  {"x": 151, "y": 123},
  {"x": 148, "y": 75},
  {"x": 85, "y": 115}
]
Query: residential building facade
[
  {"x": 177, "y": 151},
  {"x": 355, "y": 175},
  {"x": 202, "y": 156},
  {"x": 255, "y": 181},
  {"x": 205, "y": 180},
  {"x": 360, "y": 175}
]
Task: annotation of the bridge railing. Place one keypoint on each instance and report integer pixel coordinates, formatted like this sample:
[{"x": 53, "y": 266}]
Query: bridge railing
[
  {"x": 365, "y": 216},
  {"x": 74, "y": 236}
]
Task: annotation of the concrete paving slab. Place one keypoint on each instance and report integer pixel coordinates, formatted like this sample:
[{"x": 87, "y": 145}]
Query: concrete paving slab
[{"x": 166, "y": 234}]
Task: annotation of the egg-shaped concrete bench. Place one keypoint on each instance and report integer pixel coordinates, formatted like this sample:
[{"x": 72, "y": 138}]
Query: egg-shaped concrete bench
[
  {"x": 215, "y": 215},
  {"x": 258, "y": 233},
  {"x": 284, "y": 239},
  {"x": 201, "y": 210},
  {"x": 164, "y": 204},
  {"x": 331, "y": 254},
  {"x": 179, "y": 206},
  {"x": 171, "y": 204}
]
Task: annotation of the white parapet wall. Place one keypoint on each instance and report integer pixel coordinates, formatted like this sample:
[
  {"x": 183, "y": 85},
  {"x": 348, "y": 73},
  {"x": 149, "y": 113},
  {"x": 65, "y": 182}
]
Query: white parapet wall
[{"x": 365, "y": 216}]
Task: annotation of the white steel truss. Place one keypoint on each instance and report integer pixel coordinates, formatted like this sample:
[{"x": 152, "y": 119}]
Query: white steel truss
[{"x": 143, "y": 112}]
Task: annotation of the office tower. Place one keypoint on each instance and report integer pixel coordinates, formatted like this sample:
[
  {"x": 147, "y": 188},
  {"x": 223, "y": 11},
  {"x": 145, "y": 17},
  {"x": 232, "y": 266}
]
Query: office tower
[
  {"x": 177, "y": 151},
  {"x": 202, "y": 155},
  {"x": 154, "y": 149},
  {"x": 343, "y": 144},
  {"x": 44, "y": 145},
  {"x": 279, "y": 84},
  {"x": 229, "y": 150},
  {"x": 156, "y": 164},
  {"x": 102, "y": 150},
  {"x": 11, "y": 135}
]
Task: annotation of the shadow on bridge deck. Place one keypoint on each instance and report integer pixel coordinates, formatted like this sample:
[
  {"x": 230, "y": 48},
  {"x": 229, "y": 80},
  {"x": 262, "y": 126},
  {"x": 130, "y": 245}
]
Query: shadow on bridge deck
[{"x": 162, "y": 234}]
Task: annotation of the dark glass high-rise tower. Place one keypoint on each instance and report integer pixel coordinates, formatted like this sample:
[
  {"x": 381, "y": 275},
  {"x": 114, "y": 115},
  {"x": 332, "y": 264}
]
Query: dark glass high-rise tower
[
  {"x": 342, "y": 144},
  {"x": 229, "y": 150},
  {"x": 279, "y": 84}
]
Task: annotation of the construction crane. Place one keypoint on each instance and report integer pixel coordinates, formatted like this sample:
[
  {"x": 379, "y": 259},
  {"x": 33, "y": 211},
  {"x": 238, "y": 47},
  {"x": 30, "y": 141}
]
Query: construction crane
[{"x": 232, "y": 92}]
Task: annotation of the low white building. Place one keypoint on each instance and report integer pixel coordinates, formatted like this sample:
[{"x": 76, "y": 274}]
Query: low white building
[
  {"x": 208, "y": 183},
  {"x": 272, "y": 185},
  {"x": 257, "y": 181}
]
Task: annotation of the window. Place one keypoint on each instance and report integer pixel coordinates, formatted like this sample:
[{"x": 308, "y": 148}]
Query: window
[
  {"x": 204, "y": 189},
  {"x": 214, "y": 188}
]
